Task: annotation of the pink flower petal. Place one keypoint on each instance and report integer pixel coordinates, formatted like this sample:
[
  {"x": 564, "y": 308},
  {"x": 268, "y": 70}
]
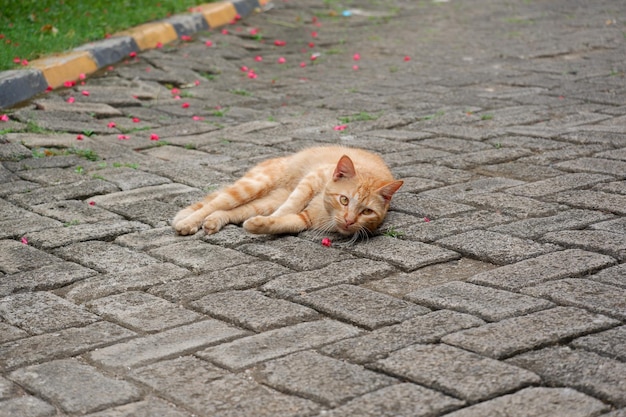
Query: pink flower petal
[
  {"x": 24, "y": 62},
  {"x": 111, "y": 125},
  {"x": 123, "y": 137},
  {"x": 24, "y": 240},
  {"x": 4, "y": 118},
  {"x": 85, "y": 93},
  {"x": 82, "y": 76},
  {"x": 407, "y": 58},
  {"x": 70, "y": 100},
  {"x": 340, "y": 127},
  {"x": 314, "y": 56},
  {"x": 154, "y": 136},
  {"x": 356, "y": 57},
  {"x": 426, "y": 219},
  {"x": 327, "y": 242},
  {"x": 314, "y": 34},
  {"x": 196, "y": 83},
  {"x": 252, "y": 75},
  {"x": 136, "y": 120},
  {"x": 244, "y": 68},
  {"x": 92, "y": 203},
  {"x": 303, "y": 64},
  {"x": 224, "y": 31},
  {"x": 159, "y": 45},
  {"x": 197, "y": 118},
  {"x": 208, "y": 43},
  {"x": 17, "y": 60},
  {"x": 282, "y": 60},
  {"x": 311, "y": 45},
  {"x": 186, "y": 38},
  {"x": 258, "y": 58},
  {"x": 80, "y": 137},
  {"x": 355, "y": 67},
  {"x": 185, "y": 105},
  {"x": 279, "y": 42},
  {"x": 132, "y": 54}
]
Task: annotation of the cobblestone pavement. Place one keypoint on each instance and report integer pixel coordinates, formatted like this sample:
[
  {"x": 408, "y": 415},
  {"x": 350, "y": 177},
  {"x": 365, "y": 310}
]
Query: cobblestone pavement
[{"x": 496, "y": 286}]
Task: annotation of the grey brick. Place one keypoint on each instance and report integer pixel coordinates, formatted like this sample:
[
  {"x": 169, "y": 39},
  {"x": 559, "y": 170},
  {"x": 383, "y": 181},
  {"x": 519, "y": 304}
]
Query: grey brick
[
  {"x": 248, "y": 351},
  {"x": 487, "y": 303},
  {"x": 611, "y": 343},
  {"x": 549, "y": 158},
  {"x": 252, "y": 310},
  {"x": 8, "y": 389},
  {"x": 104, "y": 256},
  {"x": 51, "y": 238},
  {"x": 16, "y": 257},
  {"x": 237, "y": 277},
  {"x": 455, "y": 145},
  {"x": 140, "y": 278},
  {"x": 26, "y": 406},
  {"x": 459, "y": 192},
  {"x": 142, "y": 312},
  {"x": 616, "y": 226},
  {"x": 60, "y": 344},
  {"x": 150, "y": 407},
  {"x": 433, "y": 172},
  {"x": 401, "y": 284},
  {"x": 404, "y": 399},
  {"x": 45, "y": 278},
  {"x": 288, "y": 251},
  {"x": 446, "y": 226},
  {"x": 518, "y": 334},
  {"x": 165, "y": 191},
  {"x": 495, "y": 247},
  {"x": 75, "y": 191},
  {"x": 593, "y": 200},
  {"x": 407, "y": 255},
  {"x": 616, "y": 187},
  {"x": 600, "y": 165},
  {"x": 536, "y": 227},
  {"x": 319, "y": 378},
  {"x": 558, "y": 184},
  {"x": 586, "y": 371},
  {"x": 594, "y": 296},
  {"x": 536, "y": 402},
  {"x": 432, "y": 208},
  {"x": 130, "y": 179},
  {"x": 24, "y": 223},
  {"x": 9, "y": 333},
  {"x": 351, "y": 271},
  {"x": 153, "y": 238},
  {"x": 173, "y": 342},
  {"x": 486, "y": 157},
  {"x": 617, "y": 413},
  {"x": 521, "y": 207},
  {"x": 613, "y": 276},
  {"x": 456, "y": 372},
  {"x": 422, "y": 154},
  {"x": 555, "y": 265},
  {"x": 361, "y": 306},
  {"x": 523, "y": 171},
  {"x": 76, "y": 387},
  {"x": 613, "y": 244},
  {"x": 68, "y": 211},
  {"x": 154, "y": 213},
  {"x": 200, "y": 256},
  {"x": 379, "y": 343},
  {"x": 42, "y": 312}
]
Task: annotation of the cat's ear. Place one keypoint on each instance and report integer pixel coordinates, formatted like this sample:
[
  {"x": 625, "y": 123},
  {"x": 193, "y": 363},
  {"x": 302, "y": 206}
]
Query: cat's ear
[
  {"x": 344, "y": 169},
  {"x": 389, "y": 189}
]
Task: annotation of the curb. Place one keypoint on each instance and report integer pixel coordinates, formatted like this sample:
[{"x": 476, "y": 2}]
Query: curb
[{"x": 52, "y": 72}]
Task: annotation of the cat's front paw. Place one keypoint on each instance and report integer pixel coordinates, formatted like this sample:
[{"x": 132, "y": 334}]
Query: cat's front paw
[
  {"x": 213, "y": 224},
  {"x": 257, "y": 224}
]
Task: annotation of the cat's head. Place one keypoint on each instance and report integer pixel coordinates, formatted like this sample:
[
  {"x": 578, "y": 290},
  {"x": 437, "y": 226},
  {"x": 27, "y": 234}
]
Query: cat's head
[{"x": 357, "y": 203}]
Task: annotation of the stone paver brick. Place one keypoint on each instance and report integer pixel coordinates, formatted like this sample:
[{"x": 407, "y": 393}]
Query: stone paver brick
[
  {"x": 615, "y": 226},
  {"x": 251, "y": 350},
  {"x": 135, "y": 279},
  {"x": 361, "y": 306},
  {"x": 148, "y": 408},
  {"x": 142, "y": 312},
  {"x": 76, "y": 387},
  {"x": 400, "y": 284},
  {"x": 433, "y": 172},
  {"x": 152, "y": 238},
  {"x": 252, "y": 310},
  {"x": 456, "y": 372},
  {"x": 320, "y": 378},
  {"x": 485, "y": 157},
  {"x": 594, "y": 296},
  {"x": 9, "y": 333},
  {"x": 586, "y": 371},
  {"x": 165, "y": 191},
  {"x": 487, "y": 303},
  {"x": 432, "y": 208},
  {"x": 536, "y": 402},
  {"x": 611, "y": 343},
  {"x": 16, "y": 257},
  {"x": 287, "y": 251},
  {"x": 495, "y": 247},
  {"x": 404, "y": 399},
  {"x": 377, "y": 344},
  {"x": 45, "y": 278},
  {"x": 518, "y": 334},
  {"x": 613, "y": 244},
  {"x": 60, "y": 344},
  {"x": 613, "y": 276},
  {"x": 351, "y": 271},
  {"x": 27, "y": 406},
  {"x": 104, "y": 256},
  {"x": 25, "y": 222},
  {"x": 535, "y": 227},
  {"x": 555, "y": 265},
  {"x": 74, "y": 191},
  {"x": 75, "y": 211},
  {"x": 407, "y": 255},
  {"x": 41, "y": 312},
  {"x": 200, "y": 256},
  {"x": 558, "y": 184},
  {"x": 177, "y": 341},
  {"x": 513, "y": 205},
  {"x": 234, "y": 278},
  {"x": 601, "y": 165},
  {"x": 594, "y": 200},
  {"x": 459, "y": 192}
]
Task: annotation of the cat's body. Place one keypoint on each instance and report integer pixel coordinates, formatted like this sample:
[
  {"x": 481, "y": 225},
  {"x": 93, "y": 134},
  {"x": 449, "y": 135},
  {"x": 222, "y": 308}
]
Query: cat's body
[{"x": 330, "y": 188}]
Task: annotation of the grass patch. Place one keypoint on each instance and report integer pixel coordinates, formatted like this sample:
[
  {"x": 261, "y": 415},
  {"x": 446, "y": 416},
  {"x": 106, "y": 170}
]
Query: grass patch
[{"x": 30, "y": 29}]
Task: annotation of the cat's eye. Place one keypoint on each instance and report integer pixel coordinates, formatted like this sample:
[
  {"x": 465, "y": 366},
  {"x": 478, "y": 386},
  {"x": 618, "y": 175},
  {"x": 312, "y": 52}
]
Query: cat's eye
[
  {"x": 367, "y": 212},
  {"x": 344, "y": 200}
]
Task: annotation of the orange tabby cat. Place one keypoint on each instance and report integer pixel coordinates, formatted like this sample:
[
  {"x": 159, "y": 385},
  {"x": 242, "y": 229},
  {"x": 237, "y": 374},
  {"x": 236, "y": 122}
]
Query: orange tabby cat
[{"x": 330, "y": 188}]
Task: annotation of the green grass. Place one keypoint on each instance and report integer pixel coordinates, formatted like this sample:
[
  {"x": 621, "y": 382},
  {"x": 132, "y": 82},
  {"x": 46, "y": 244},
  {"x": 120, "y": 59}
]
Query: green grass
[{"x": 30, "y": 29}]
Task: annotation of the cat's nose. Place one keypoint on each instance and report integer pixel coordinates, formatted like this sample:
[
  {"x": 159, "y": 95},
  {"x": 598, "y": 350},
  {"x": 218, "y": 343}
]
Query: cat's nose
[{"x": 349, "y": 222}]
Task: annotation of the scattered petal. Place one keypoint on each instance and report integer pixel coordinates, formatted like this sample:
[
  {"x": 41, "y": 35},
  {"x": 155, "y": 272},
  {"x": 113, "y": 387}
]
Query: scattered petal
[
  {"x": 426, "y": 219},
  {"x": 92, "y": 203},
  {"x": 356, "y": 57},
  {"x": 4, "y": 118},
  {"x": 278, "y": 42},
  {"x": 80, "y": 137},
  {"x": 132, "y": 54},
  {"x": 159, "y": 45},
  {"x": 282, "y": 60},
  {"x": 24, "y": 240},
  {"x": 24, "y": 62},
  {"x": 69, "y": 84},
  {"x": 327, "y": 242},
  {"x": 314, "y": 34},
  {"x": 185, "y": 105},
  {"x": 253, "y": 31},
  {"x": 311, "y": 45},
  {"x": 196, "y": 83},
  {"x": 123, "y": 137},
  {"x": 110, "y": 68},
  {"x": 237, "y": 16},
  {"x": 175, "y": 91},
  {"x": 224, "y": 31},
  {"x": 136, "y": 120},
  {"x": 154, "y": 136},
  {"x": 315, "y": 56},
  {"x": 244, "y": 68},
  {"x": 49, "y": 88},
  {"x": 70, "y": 100},
  {"x": 258, "y": 58},
  {"x": 111, "y": 125},
  {"x": 355, "y": 67},
  {"x": 17, "y": 60},
  {"x": 197, "y": 118},
  {"x": 208, "y": 43},
  {"x": 407, "y": 58},
  {"x": 340, "y": 127},
  {"x": 252, "y": 75},
  {"x": 186, "y": 38},
  {"x": 82, "y": 76},
  {"x": 302, "y": 64},
  {"x": 176, "y": 97},
  {"x": 85, "y": 93}
]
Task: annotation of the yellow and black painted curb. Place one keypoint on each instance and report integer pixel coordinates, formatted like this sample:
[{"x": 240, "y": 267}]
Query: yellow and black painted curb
[{"x": 54, "y": 71}]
